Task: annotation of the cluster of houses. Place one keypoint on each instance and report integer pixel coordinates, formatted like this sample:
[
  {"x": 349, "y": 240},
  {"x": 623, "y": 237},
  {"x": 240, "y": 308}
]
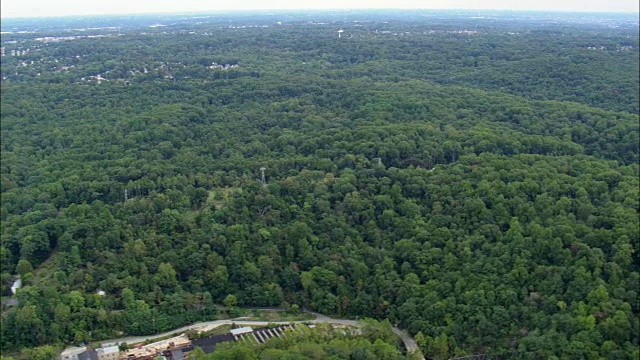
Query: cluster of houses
[
  {"x": 222, "y": 66},
  {"x": 175, "y": 348},
  {"x": 3, "y": 52}
]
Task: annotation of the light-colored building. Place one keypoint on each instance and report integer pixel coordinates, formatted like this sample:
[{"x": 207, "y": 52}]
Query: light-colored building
[
  {"x": 242, "y": 330},
  {"x": 72, "y": 353},
  {"x": 108, "y": 353},
  {"x": 151, "y": 350}
]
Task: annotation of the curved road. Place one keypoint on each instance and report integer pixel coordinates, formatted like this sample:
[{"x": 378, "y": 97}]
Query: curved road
[{"x": 409, "y": 343}]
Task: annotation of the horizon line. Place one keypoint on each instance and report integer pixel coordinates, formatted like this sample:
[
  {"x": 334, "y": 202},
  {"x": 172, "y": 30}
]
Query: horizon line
[{"x": 232, "y": 11}]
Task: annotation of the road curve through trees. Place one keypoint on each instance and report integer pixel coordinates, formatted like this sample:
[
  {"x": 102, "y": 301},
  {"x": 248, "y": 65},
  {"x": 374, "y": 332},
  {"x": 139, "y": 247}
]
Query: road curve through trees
[{"x": 409, "y": 343}]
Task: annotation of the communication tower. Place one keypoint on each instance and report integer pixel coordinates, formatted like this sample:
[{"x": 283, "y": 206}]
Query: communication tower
[{"x": 263, "y": 181}]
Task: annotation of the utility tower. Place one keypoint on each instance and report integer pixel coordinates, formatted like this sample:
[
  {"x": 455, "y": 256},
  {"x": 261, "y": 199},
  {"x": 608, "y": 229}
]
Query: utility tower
[
  {"x": 126, "y": 197},
  {"x": 263, "y": 181}
]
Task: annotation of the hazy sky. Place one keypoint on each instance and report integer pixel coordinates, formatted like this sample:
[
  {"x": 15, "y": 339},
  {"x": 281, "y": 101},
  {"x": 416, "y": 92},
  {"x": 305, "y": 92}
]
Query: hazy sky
[{"x": 35, "y": 8}]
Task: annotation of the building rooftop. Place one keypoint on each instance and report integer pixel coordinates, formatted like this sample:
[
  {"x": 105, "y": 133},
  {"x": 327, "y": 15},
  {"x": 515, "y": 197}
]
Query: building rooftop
[
  {"x": 90, "y": 354},
  {"x": 157, "y": 347},
  {"x": 209, "y": 344},
  {"x": 72, "y": 353},
  {"x": 242, "y": 330},
  {"x": 108, "y": 350}
]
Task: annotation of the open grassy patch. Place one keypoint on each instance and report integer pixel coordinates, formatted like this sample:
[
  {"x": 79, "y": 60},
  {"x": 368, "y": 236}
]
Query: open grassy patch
[{"x": 218, "y": 197}]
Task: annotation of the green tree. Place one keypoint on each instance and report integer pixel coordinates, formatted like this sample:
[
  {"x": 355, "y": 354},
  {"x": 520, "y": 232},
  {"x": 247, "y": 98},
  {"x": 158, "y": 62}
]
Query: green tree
[{"x": 230, "y": 301}]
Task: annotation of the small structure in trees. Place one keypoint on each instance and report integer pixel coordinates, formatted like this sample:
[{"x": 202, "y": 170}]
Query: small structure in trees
[{"x": 263, "y": 180}]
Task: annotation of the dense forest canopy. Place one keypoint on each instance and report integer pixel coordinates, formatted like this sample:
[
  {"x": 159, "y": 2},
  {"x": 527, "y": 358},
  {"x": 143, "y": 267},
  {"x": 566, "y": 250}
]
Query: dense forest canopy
[{"x": 471, "y": 177}]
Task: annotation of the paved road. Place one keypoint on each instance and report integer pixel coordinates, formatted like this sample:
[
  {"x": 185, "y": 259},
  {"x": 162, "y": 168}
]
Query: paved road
[
  {"x": 409, "y": 343},
  {"x": 215, "y": 323}
]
